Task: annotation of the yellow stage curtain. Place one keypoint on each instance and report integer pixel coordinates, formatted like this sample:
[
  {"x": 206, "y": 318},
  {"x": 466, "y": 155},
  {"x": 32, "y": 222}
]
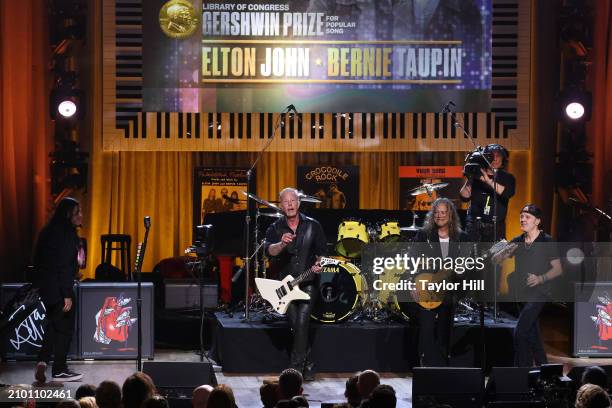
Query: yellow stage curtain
[
  {"x": 25, "y": 131},
  {"x": 126, "y": 186}
]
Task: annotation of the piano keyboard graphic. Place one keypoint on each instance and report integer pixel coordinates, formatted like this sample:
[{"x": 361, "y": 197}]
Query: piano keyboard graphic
[{"x": 311, "y": 131}]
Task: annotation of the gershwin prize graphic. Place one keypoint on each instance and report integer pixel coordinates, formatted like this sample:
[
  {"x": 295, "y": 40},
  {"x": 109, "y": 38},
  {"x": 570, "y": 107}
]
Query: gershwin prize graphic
[{"x": 382, "y": 56}]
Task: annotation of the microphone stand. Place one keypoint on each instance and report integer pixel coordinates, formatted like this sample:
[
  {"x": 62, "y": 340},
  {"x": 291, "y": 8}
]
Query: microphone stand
[
  {"x": 147, "y": 223},
  {"x": 456, "y": 124},
  {"x": 247, "y": 251}
]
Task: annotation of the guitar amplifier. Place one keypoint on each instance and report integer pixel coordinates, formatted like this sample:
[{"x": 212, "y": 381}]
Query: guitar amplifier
[{"x": 181, "y": 294}]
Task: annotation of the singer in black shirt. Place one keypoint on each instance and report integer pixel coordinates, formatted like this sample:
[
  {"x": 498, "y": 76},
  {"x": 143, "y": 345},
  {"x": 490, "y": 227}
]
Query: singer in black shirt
[{"x": 294, "y": 242}]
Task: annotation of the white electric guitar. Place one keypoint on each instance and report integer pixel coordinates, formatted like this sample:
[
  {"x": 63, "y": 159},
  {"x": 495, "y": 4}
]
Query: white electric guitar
[{"x": 281, "y": 293}]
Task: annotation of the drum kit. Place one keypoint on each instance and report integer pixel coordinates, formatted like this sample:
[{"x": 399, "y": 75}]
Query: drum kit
[
  {"x": 345, "y": 292},
  {"x": 343, "y": 289}
]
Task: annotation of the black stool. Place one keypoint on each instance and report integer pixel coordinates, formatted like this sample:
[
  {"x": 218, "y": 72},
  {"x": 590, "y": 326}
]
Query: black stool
[{"x": 122, "y": 243}]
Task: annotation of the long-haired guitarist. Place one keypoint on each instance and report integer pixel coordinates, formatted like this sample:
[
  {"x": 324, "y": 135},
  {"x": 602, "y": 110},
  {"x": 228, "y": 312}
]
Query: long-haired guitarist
[
  {"x": 442, "y": 230},
  {"x": 294, "y": 242}
]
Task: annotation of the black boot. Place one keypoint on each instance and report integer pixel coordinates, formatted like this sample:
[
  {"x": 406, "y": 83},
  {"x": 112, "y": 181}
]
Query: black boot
[{"x": 309, "y": 373}]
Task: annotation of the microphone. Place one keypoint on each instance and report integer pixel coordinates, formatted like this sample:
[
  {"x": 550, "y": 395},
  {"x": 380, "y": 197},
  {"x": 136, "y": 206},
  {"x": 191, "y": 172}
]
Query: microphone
[
  {"x": 448, "y": 107},
  {"x": 291, "y": 108},
  {"x": 147, "y": 222},
  {"x": 230, "y": 199}
]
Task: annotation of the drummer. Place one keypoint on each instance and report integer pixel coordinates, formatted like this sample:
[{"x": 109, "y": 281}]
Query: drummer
[{"x": 294, "y": 242}]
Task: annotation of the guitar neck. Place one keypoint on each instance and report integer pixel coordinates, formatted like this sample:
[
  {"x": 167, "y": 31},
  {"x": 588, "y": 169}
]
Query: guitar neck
[
  {"x": 142, "y": 247},
  {"x": 303, "y": 276},
  {"x": 309, "y": 272}
]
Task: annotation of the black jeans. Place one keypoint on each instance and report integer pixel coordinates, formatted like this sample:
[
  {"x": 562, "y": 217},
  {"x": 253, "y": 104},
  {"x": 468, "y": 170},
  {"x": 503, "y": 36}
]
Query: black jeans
[
  {"x": 298, "y": 315},
  {"x": 527, "y": 342},
  {"x": 59, "y": 326},
  {"x": 435, "y": 327}
]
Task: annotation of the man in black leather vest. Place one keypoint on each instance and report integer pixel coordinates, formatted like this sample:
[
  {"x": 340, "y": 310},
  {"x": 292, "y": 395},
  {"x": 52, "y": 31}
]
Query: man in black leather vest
[{"x": 294, "y": 242}]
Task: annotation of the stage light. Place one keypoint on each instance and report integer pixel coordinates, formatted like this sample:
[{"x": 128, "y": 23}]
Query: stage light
[
  {"x": 575, "y": 256},
  {"x": 65, "y": 103},
  {"x": 67, "y": 108},
  {"x": 574, "y": 110},
  {"x": 576, "y": 106}
]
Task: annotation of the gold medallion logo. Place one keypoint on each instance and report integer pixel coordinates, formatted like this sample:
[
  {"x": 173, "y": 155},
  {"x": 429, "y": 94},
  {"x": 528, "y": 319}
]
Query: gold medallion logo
[{"x": 178, "y": 19}]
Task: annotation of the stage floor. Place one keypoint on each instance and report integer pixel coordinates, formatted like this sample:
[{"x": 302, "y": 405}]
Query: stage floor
[
  {"x": 328, "y": 387},
  {"x": 262, "y": 344}
]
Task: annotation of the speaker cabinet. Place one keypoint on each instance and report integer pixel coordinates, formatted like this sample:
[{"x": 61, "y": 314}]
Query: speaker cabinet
[
  {"x": 178, "y": 379},
  {"x": 508, "y": 384},
  {"x": 456, "y": 387}
]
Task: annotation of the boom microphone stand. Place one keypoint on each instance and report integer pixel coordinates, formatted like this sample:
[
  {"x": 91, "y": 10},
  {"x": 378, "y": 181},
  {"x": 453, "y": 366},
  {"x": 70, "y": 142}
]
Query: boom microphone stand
[
  {"x": 448, "y": 108},
  {"x": 249, "y": 174}
]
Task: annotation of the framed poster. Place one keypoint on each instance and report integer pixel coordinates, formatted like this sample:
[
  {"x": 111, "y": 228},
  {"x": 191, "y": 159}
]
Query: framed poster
[
  {"x": 412, "y": 177},
  {"x": 218, "y": 190},
  {"x": 336, "y": 186},
  {"x": 108, "y": 320}
]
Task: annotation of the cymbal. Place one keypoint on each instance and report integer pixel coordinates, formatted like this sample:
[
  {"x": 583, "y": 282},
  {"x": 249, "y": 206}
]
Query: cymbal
[
  {"x": 271, "y": 214},
  {"x": 427, "y": 188},
  {"x": 411, "y": 228},
  {"x": 262, "y": 201},
  {"x": 308, "y": 198}
]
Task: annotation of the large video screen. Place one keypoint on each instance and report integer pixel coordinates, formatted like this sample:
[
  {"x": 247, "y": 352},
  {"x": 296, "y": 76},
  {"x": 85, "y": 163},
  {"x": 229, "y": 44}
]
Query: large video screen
[{"x": 320, "y": 55}]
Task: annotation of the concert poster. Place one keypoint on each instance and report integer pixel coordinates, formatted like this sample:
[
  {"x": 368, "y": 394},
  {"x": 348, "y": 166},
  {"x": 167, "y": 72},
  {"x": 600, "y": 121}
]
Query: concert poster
[
  {"x": 109, "y": 320},
  {"x": 336, "y": 186},
  {"x": 218, "y": 190},
  {"x": 412, "y": 177}
]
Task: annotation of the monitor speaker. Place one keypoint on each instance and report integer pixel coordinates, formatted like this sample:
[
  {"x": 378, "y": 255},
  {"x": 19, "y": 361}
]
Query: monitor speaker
[
  {"x": 456, "y": 387},
  {"x": 178, "y": 379},
  {"x": 508, "y": 384}
]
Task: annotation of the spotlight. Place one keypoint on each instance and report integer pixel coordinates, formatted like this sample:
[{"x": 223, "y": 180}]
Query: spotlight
[
  {"x": 67, "y": 108},
  {"x": 67, "y": 103},
  {"x": 576, "y": 106},
  {"x": 574, "y": 110},
  {"x": 575, "y": 256}
]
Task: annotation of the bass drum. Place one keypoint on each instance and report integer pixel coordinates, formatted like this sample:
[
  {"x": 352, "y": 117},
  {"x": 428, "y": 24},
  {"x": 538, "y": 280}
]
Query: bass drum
[{"x": 341, "y": 289}]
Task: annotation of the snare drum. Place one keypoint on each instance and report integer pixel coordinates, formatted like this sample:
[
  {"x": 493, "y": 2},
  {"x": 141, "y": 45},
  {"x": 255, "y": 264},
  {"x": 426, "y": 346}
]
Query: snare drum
[
  {"x": 388, "y": 231},
  {"x": 352, "y": 236},
  {"x": 341, "y": 290}
]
